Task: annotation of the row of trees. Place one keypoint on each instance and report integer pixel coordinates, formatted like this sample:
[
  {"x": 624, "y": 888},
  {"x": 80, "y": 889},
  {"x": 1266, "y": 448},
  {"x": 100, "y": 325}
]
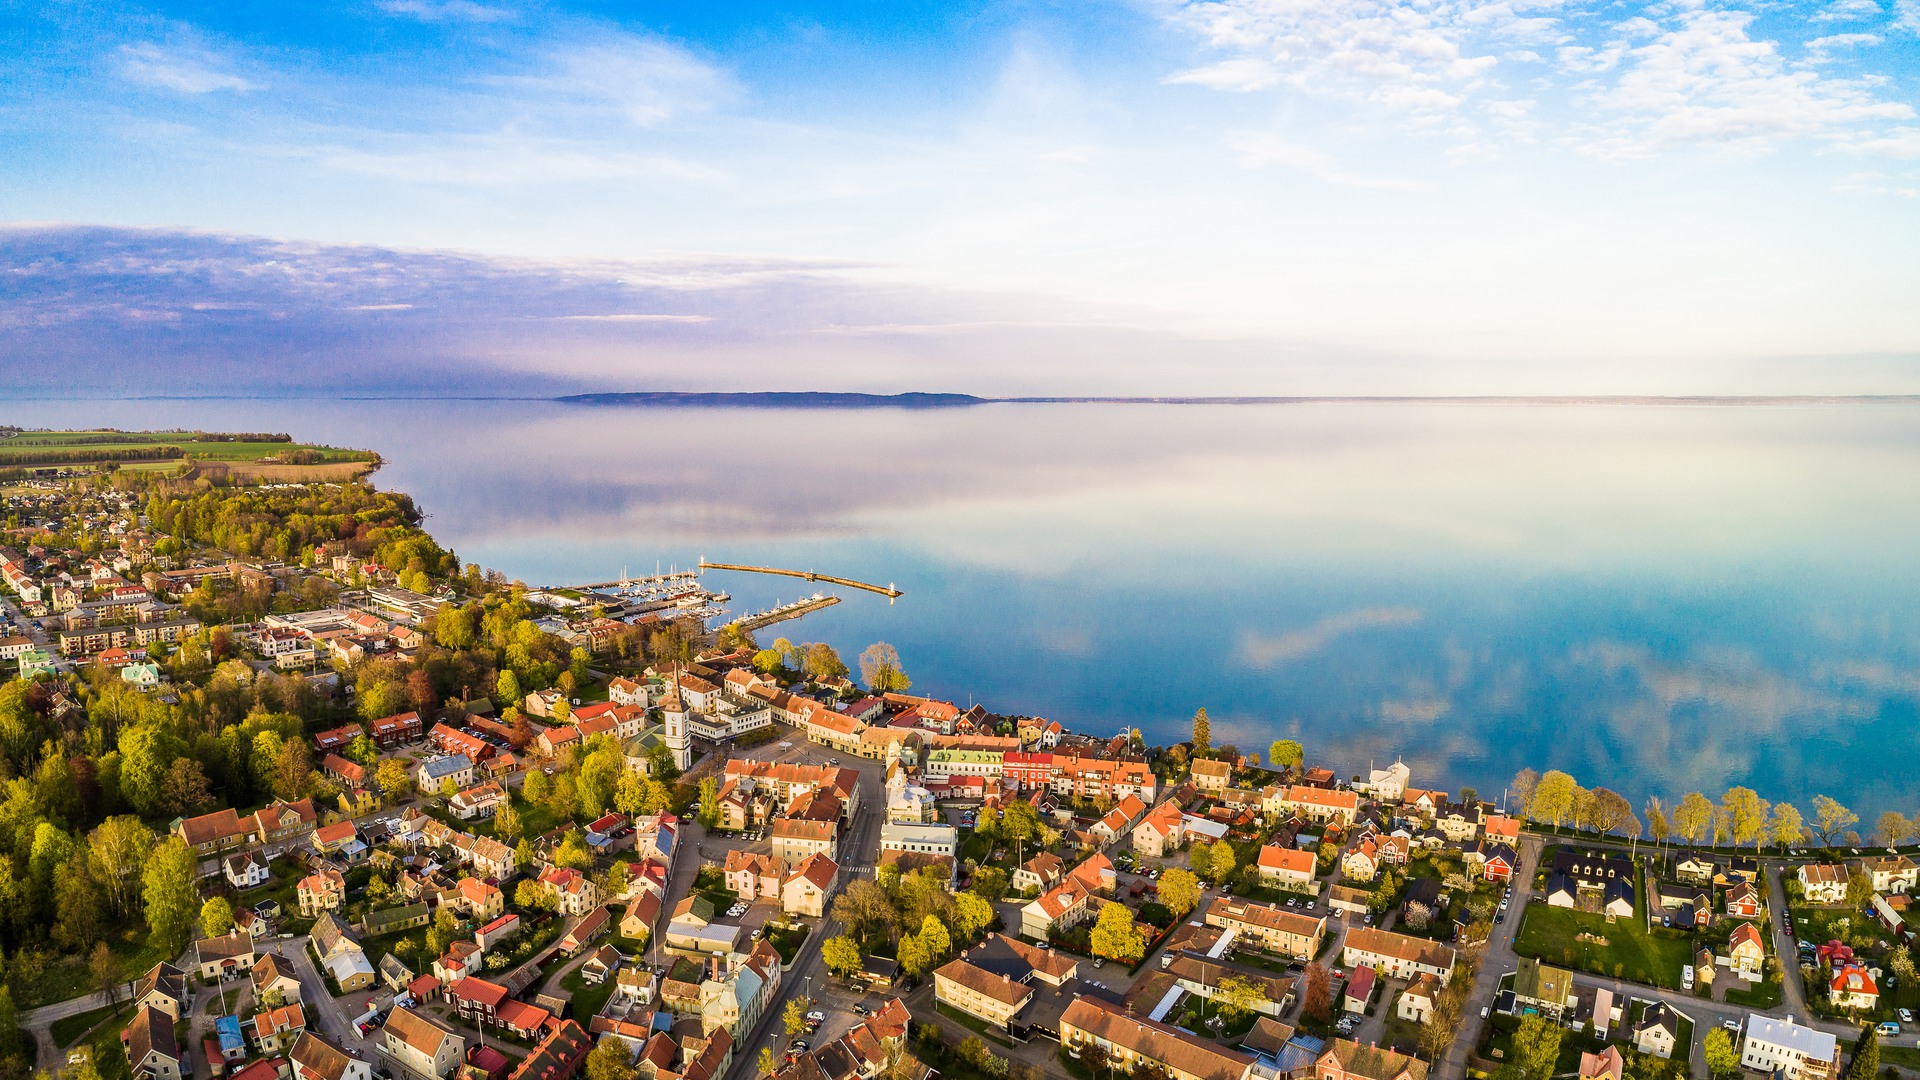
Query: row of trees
[{"x": 1741, "y": 817}]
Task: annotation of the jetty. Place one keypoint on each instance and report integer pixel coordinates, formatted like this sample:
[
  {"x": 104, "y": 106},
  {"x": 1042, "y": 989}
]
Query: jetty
[
  {"x": 887, "y": 591},
  {"x": 783, "y": 612}
]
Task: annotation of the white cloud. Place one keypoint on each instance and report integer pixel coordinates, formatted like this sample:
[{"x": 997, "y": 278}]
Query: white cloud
[
  {"x": 646, "y": 80},
  {"x": 444, "y": 10},
  {"x": 1243, "y": 74},
  {"x": 1706, "y": 80},
  {"x": 1847, "y": 11},
  {"x": 183, "y": 69},
  {"x": 1267, "y": 149}
]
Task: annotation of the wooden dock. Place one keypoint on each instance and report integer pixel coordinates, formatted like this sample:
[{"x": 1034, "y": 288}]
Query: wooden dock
[{"x": 887, "y": 591}]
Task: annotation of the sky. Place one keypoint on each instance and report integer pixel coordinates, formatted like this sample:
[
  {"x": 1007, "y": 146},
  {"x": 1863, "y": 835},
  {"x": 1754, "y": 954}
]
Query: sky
[{"x": 1157, "y": 196}]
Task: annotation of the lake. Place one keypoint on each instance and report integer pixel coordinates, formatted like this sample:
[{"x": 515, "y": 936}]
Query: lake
[{"x": 1654, "y": 598}]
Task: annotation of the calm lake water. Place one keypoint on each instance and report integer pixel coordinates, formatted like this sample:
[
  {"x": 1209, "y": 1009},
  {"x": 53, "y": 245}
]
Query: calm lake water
[{"x": 1656, "y": 599}]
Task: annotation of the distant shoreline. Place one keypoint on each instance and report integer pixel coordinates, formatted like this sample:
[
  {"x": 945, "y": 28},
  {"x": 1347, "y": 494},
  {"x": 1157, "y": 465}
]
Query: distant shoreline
[
  {"x": 830, "y": 400},
  {"x": 834, "y": 400}
]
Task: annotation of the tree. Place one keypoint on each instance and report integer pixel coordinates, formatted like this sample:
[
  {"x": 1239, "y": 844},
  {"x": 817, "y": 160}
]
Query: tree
[
  {"x": 1829, "y": 817},
  {"x": 1238, "y": 996},
  {"x": 393, "y": 779},
  {"x": 1610, "y": 811},
  {"x": 1859, "y": 889},
  {"x": 1200, "y": 860},
  {"x": 442, "y": 932},
  {"x": 1525, "y": 782},
  {"x": 1656, "y": 819},
  {"x": 1865, "y": 1063},
  {"x": 1316, "y": 1000},
  {"x": 1285, "y": 754},
  {"x": 880, "y": 669},
  {"x": 506, "y": 689},
  {"x": 1221, "y": 862},
  {"x": 1722, "y": 1058},
  {"x": 842, "y": 955},
  {"x": 767, "y": 1061},
  {"x": 105, "y": 970},
  {"x": 1901, "y": 961},
  {"x": 506, "y": 824},
  {"x": 1746, "y": 814},
  {"x": 1554, "y": 799},
  {"x": 912, "y": 956},
  {"x": 1693, "y": 817},
  {"x": 1536, "y": 1046},
  {"x": 118, "y": 850},
  {"x": 79, "y": 902},
  {"x": 170, "y": 894},
  {"x": 610, "y": 1061},
  {"x": 1115, "y": 937},
  {"x": 935, "y": 939},
  {"x": 823, "y": 662},
  {"x": 865, "y": 908},
  {"x": 709, "y": 802},
  {"x": 185, "y": 788},
  {"x": 216, "y": 916},
  {"x": 1443, "y": 1023},
  {"x": 794, "y": 1019},
  {"x": 1179, "y": 891},
  {"x": 1019, "y": 822},
  {"x": 767, "y": 661},
  {"x": 532, "y": 895},
  {"x": 1786, "y": 828},
  {"x": 990, "y": 883},
  {"x": 972, "y": 915},
  {"x": 1892, "y": 828},
  {"x": 1202, "y": 732}
]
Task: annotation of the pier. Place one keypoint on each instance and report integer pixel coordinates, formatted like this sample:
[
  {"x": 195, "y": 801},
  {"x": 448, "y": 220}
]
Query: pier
[
  {"x": 887, "y": 591},
  {"x": 652, "y": 579},
  {"x": 784, "y": 612}
]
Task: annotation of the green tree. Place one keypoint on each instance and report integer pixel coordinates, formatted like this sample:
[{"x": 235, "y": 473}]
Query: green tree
[
  {"x": 1859, "y": 889},
  {"x": 935, "y": 938},
  {"x": 880, "y": 669},
  {"x": 506, "y": 824},
  {"x": 794, "y": 1019},
  {"x": 573, "y": 851},
  {"x": 990, "y": 883},
  {"x": 610, "y": 1060},
  {"x": 1238, "y": 996},
  {"x": 767, "y": 661},
  {"x": 767, "y": 1062},
  {"x": 171, "y": 898},
  {"x": 1746, "y": 813},
  {"x": 913, "y": 958},
  {"x": 1221, "y": 862},
  {"x": 216, "y": 916},
  {"x": 393, "y": 778},
  {"x": 79, "y": 903},
  {"x": 1536, "y": 1046},
  {"x": 709, "y": 802},
  {"x": 443, "y": 931},
  {"x": 1722, "y": 1057},
  {"x": 1200, "y": 860},
  {"x": 1202, "y": 732},
  {"x": 506, "y": 689},
  {"x": 1830, "y": 818},
  {"x": 1554, "y": 799},
  {"x": 532, "y": 895},
  {"x": 362, "y": 752},
  {"x": 1693, "y": 818},
  {"x": 1115, "y": 936},
  {"x": 972, "y": 915},
  {"x": 823, "y": 662},
  {"x": 146, "y": 753},
  {"x": 1865, "y": 1062},
  {"x": 1285, "y": 754},
  {"x": 1019, "y": 823},
  {"x": 118, "y": 849},
  {"x": 1179, "y": 891},
  {"x": 1786, "y": 828},
  {"x": 842, "y": 955}
]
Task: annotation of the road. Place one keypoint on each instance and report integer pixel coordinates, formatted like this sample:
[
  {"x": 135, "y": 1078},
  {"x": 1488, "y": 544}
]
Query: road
[{"x": 808, "y": 975}]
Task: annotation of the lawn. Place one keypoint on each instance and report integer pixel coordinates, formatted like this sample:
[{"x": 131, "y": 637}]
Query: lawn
[
  {"x": 71, "y": 1029},
  {"x": 587, "y": 1000},
  {"x": 1764, "y": 995},
  {"x": 1632, "y": 952},
  {"x": 1498, "y": 1043},
  {"x": 1190, "y": 1016}
]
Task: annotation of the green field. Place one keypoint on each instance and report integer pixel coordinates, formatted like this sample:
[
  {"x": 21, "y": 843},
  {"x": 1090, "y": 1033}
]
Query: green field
[
  {"x": 31, "y": 447},
  {"x": 1631, "y": 952}
]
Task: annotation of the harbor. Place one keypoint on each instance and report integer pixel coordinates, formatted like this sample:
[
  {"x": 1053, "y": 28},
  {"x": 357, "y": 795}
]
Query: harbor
[{"x": 674, "y": 593}]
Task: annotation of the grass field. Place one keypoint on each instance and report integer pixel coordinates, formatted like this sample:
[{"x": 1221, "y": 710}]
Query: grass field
[
  {"x": 68, "y": 977},
  {"x": 42, "y": 447},
  {"x": 587, "y": 1001},
  {"x": 1631, "y": 952}
]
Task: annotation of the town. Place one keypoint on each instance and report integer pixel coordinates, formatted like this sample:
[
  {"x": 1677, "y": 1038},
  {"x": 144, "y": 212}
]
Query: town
[{"x": 296, "y": 795}]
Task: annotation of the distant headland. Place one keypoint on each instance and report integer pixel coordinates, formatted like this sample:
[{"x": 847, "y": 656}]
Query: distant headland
[{"x": 807, "y": 399}]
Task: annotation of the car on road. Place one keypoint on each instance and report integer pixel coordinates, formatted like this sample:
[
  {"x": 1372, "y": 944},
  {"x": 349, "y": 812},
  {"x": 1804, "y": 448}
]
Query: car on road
[
  {"x": 817, "y": 1016},
  {"x": 1887, "y": 1029}
]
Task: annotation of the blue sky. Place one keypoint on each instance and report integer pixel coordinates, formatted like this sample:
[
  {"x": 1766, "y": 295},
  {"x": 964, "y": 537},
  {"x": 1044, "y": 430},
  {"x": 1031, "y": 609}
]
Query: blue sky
[{"x": 1258, "y": 196}]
